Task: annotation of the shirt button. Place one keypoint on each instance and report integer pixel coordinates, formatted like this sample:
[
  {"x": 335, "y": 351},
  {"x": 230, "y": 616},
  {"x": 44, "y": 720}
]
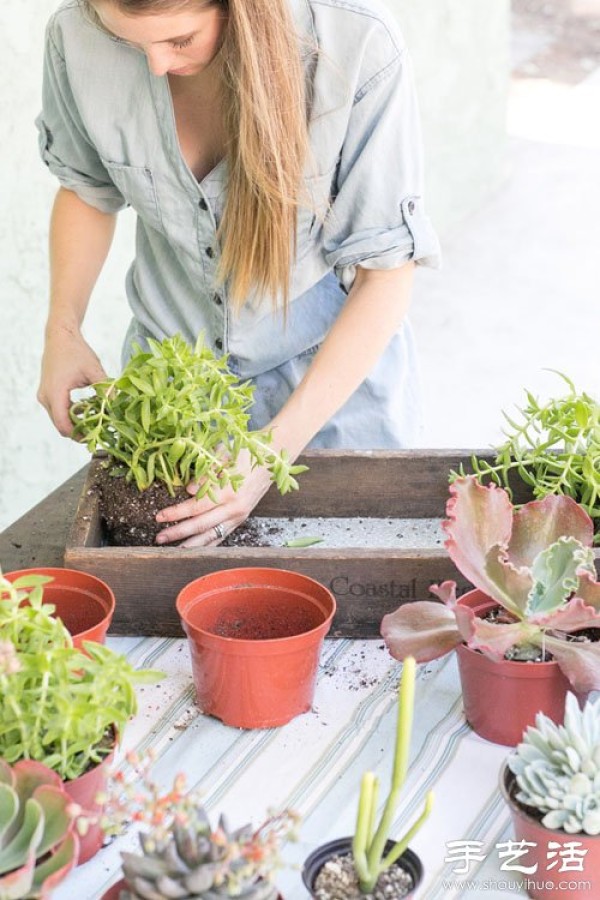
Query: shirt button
[
  {"x": 203, "y": 204},
  {"x": 219, "y": 344},
  {"x": 411, "y": 206},
  {"x": 210, "y": 252},
  {"x": 218, "y": 300}
]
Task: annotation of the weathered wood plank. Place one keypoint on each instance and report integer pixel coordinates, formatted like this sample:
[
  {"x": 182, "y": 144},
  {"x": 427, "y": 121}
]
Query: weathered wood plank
[
  {"x": 39, "y": 537},
  {"x": 403, "y": 483},
  {"x": 366, "y": 584},
  {"x": 65, "y": 529}
]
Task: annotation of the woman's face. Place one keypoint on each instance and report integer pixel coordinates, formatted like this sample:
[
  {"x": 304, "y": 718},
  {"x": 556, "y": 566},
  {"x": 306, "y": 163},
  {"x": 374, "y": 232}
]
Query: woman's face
[{"x": 179, "y": 42}]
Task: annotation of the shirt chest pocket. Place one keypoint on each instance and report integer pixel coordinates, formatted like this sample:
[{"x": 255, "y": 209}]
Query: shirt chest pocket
[
  {"x": 315, "y": 206},
  {"x": 136, "y": 184}
]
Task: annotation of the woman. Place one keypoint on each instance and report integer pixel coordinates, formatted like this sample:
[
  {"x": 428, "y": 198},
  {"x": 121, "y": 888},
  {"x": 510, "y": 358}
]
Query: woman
[{"x": 270, "y": 149}]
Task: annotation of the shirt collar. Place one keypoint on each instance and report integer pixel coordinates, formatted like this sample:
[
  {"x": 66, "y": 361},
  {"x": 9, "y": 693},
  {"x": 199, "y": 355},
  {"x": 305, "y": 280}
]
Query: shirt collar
[{"x": 305, "y": 26}]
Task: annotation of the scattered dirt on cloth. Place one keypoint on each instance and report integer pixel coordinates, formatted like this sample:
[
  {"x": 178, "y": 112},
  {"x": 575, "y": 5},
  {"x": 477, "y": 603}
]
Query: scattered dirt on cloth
[
  {"x": 129, "y": 515},
  {"x": 337, "y": 880}
]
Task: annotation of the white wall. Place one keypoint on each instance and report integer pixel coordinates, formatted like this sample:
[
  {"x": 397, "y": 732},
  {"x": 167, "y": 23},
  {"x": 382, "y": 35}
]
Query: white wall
[
  {"x": 459, "y": 47},
  {"x": 34, "y": 459}
]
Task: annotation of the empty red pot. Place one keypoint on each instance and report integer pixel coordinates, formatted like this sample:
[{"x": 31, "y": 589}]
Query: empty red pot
[
  {"x": 255, "y": 635},
  {"x": 84, "y": 603},
  {"x": 501, "y": 698}
]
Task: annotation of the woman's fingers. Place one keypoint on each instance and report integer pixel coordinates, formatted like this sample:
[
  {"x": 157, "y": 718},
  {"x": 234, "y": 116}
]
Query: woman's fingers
[
  {"x": 203, "y": 523},
  {"x": 198, "y": 531},
  {"x": 185, "y": 510}
]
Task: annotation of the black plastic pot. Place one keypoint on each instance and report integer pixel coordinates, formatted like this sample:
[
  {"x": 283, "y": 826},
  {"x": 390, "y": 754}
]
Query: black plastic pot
[{"x": 409, "y": 861}]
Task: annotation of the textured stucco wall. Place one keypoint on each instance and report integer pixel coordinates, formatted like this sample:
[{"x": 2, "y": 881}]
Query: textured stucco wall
[{"x": 459, "y": 49}]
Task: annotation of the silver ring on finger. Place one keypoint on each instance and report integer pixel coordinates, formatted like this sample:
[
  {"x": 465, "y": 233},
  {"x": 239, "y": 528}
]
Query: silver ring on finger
[{"x": 219, "y": 531}]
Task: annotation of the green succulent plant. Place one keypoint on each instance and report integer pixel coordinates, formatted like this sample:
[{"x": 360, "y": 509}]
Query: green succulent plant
[
  {"x": 59, "y": 705},
  {"x": 554, "y": 447},
  {"x": 193, "y": 861},
  {"x": 557, "y": 768},
  {"x": 178, "y": 415},
  {"x": 38, "y": 844},
  {"x": 182, "y": 855},
  {"x": 535, "y": 562},
  {"x": 370, "y": 836}
]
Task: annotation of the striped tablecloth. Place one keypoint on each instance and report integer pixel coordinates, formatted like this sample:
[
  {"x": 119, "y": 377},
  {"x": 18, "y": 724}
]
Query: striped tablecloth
[{"x": 314, "y": 765}]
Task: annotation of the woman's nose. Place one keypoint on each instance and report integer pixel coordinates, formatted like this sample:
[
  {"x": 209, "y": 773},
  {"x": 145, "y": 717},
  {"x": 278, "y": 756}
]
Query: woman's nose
[{"x": 160, "y": 60}]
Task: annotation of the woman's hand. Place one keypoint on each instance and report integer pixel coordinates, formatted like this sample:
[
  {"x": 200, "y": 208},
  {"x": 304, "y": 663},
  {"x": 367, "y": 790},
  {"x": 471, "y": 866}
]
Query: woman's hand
[
  {"x": 68, "y": 362},
  {"x": 197, "y": 519}
]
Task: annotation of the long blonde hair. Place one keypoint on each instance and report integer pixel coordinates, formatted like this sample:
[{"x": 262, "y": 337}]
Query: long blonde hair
[{"x": 267, "y": 147}]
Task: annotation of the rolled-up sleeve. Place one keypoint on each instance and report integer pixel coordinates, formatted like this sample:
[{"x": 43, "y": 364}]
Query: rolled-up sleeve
[
  {"x": 377, "y": 218},
  {"x": 64, "y": 144}
]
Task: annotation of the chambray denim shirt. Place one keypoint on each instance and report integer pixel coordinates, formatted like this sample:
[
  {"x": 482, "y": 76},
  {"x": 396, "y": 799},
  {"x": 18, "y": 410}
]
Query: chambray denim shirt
[{"x": 107, "y": 132}]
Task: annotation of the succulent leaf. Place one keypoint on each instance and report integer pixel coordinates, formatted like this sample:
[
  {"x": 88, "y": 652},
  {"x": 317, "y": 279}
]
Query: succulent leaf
[
  {"x": 589, "y": 590},
  {"x": 579, "y": 661},
  {"x": 26, "y": 840},
  {"x": 539, "y": 524},
  {"x": 423, "y": 629},
  {"x": 17, "y": 883},
  {"x": 478, "y": 519},
  {"x": 557, "y": 771},
  {"x": 555, "y": 574},
  {"x": 9, "y": 807},
  {"x": 494, "y": 639},
  {"x": 49, "y": 874}
]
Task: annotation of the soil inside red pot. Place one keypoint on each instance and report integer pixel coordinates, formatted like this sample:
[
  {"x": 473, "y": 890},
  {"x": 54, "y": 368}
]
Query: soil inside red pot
[
  {"x": 272, "y": 620},
  {"x": 81, "y": 617},
  {"x": 498, "y": 615}
]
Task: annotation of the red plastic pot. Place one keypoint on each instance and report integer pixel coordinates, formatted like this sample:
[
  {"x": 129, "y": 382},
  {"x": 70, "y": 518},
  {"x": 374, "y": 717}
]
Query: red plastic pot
[
  {"x": 550, "y": 883},
  {"x": 84, "y": 603},
  {"x": 501, "y": 698},
  {"x": 114, "y": 890},
  {"x": 409, "y": 861},
  {"x": 255, "y": 636},
  {"x": 83, "y": 791}
]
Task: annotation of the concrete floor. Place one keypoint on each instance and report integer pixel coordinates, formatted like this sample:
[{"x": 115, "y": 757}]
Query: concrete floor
[{"x": 520, "y": 287}]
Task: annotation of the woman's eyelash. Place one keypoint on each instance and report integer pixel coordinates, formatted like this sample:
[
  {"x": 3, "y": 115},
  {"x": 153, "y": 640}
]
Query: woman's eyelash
[{"x": 179, "y": 45}]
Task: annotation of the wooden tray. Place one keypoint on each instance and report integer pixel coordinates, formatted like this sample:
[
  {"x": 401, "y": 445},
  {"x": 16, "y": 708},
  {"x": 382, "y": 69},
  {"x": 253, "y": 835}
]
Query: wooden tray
[{"x": 367, "y": 583}]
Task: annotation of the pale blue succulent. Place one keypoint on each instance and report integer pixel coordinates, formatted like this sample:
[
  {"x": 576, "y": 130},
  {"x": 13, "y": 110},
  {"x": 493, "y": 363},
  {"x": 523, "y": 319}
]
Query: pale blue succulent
[{"x": 557, "y": 768}]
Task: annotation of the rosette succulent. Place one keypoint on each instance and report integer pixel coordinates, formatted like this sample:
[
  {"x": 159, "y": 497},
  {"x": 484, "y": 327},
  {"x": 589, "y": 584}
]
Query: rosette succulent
[
  {"x": 535, "y": 562},
  {"x": 557, "y": 768},
  {"x": 38, "y": 844},
  {"x": 192, "y": 860},
  {"x": 182, "y": 855}
]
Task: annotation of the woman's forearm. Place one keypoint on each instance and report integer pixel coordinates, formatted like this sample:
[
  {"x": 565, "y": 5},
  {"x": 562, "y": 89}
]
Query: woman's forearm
[
  {"x": 373, "y": 312},
  {"x": 80, "y": 238}
]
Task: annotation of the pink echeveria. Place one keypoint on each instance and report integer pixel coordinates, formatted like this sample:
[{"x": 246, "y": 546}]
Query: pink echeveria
[{"x": 536, "y": 562}]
